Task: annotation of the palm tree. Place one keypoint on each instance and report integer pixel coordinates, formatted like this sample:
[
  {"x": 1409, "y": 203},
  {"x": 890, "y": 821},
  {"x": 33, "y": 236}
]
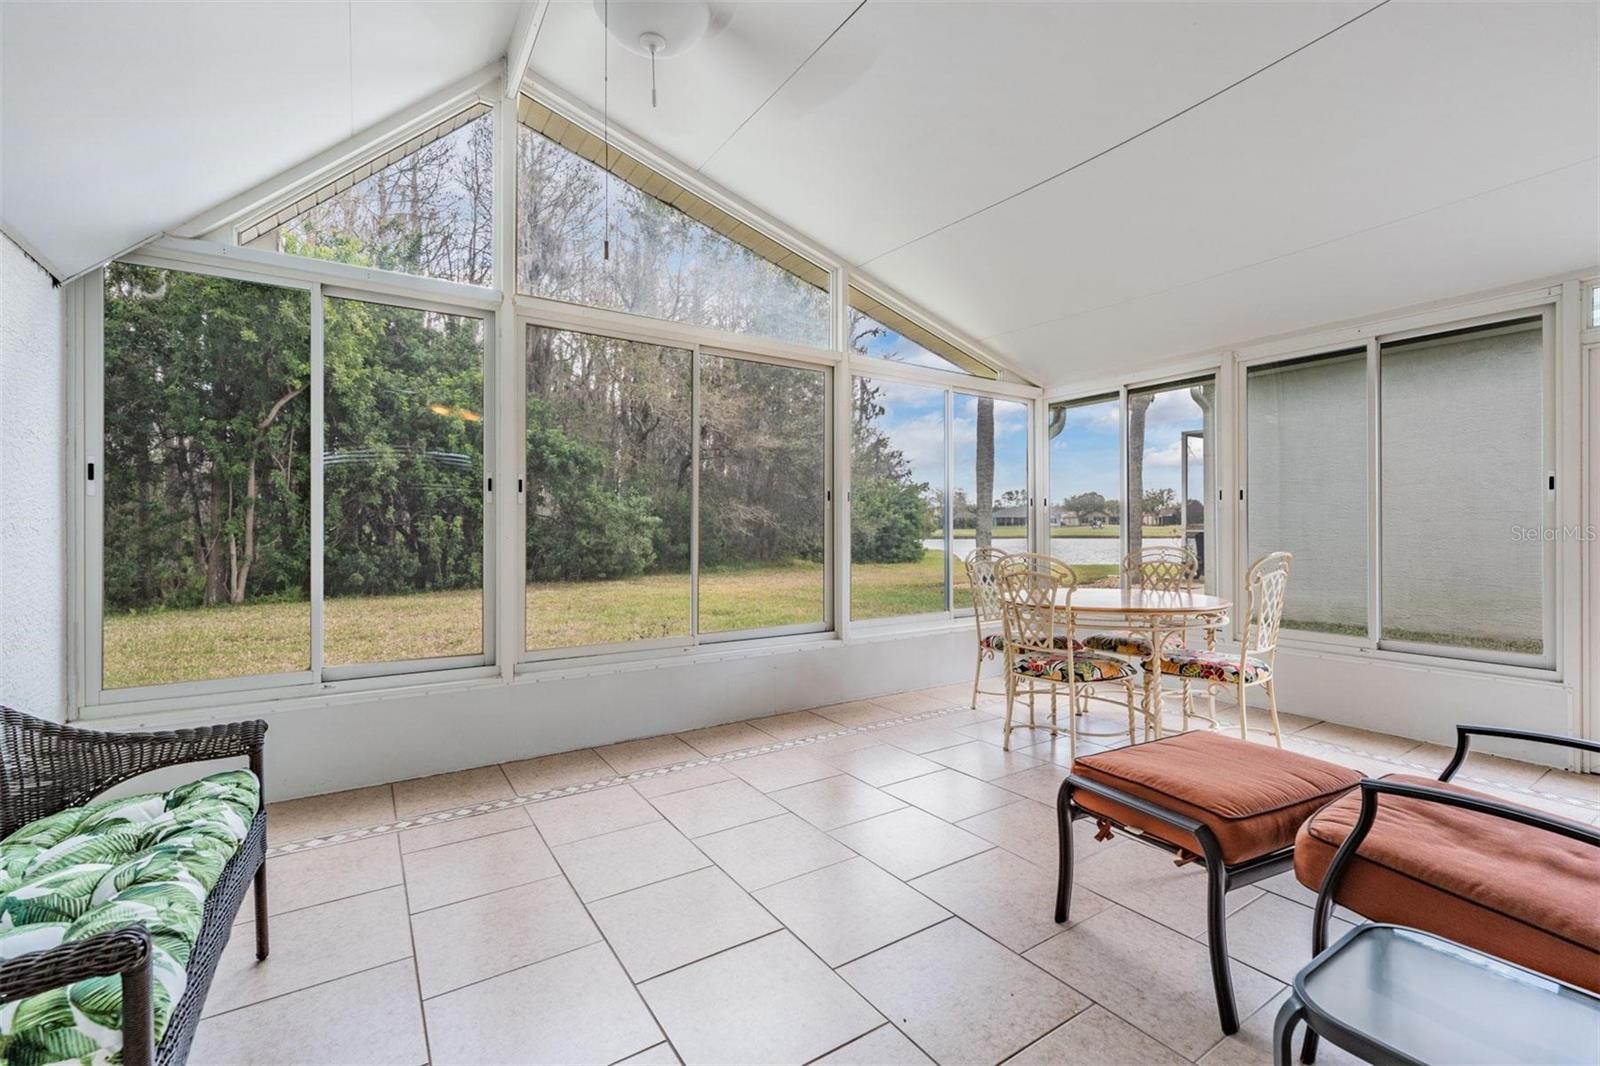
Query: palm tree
[{"x": 985, "y": 501}]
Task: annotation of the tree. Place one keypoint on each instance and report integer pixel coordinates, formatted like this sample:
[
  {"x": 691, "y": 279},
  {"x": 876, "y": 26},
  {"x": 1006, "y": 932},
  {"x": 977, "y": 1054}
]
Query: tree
[
  {"x": 985, "y": 472},
  {"x": 1084, "y": 503},
  {"x": 1158, "y": 500},
  {"x": 1138, "y": 406}
]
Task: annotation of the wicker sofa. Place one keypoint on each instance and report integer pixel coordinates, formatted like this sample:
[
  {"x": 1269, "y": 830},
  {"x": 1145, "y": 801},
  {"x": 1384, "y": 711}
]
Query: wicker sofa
[{"x": 47, "y": 768}]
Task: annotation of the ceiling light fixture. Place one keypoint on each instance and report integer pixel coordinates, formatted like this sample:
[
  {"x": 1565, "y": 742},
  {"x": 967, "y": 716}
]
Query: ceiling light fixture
[{"x": 657, "y": 30}]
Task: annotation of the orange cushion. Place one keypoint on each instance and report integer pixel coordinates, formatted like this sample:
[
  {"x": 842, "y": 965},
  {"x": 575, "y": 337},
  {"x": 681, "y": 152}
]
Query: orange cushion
[
  {"x": 1253, "y": 797},
  {"x": 1521, "y": 894}
]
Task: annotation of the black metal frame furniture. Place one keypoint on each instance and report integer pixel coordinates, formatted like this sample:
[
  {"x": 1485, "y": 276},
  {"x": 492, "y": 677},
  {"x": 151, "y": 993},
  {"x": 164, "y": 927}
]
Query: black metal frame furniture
[
  {"x": 1371, "y": 789},
  {"x": 45, "y": 768},
  {"x": 1397, "y": 996},
  {"x": 1220, "y": 877}
]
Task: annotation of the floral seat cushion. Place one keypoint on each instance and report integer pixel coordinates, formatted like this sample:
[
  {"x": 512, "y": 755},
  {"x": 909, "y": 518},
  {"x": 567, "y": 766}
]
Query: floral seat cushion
[
  {"x": 997, "y": 642},
  {"x": 1087, "y": 668},
  {"x": 148, "y": 859},
  {"x": 1202, "y": 665},
  {"x": 1120, "y": 643}
]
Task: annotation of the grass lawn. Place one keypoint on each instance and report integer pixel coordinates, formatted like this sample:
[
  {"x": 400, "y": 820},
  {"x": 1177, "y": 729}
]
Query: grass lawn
[{"x": 205, "y": 643}]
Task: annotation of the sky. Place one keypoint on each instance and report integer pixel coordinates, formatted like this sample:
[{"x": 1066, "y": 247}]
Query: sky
[
  {"x": 1083, "y": 457},
  {"x": 913, "y": 419}
]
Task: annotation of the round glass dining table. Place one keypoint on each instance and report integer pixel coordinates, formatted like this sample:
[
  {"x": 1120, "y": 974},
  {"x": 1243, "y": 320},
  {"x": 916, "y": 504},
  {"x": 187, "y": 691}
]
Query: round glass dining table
[{"x": 1158, "y": 615}]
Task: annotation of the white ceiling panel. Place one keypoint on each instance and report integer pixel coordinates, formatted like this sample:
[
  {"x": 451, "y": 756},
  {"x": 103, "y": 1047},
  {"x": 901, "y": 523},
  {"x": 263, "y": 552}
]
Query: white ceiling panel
[
  {"x": 120, "y": 120},
  {"x": 1542, "y": 226},
  {"x": 915, "y": 114},
  {"x": 1411, "y": 108},
  {"x": 703, "y": 95}
]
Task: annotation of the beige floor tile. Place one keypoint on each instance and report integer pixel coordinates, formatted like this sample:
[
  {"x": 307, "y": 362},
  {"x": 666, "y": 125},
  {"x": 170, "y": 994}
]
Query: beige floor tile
[
  {"x": 713, "y": 808},
  {"x": 320, "y": 816},
  {"x": 1585, "y": 787},
  {"x": 475, "y": 867},
  {"x": 495, "y": 934},
  {"x": 649, "y": 753},
  {"x": 320, "y": 875},
  {"x": 960, "y": 996},
  {"x": 312, "y": 946},
  {"x": 918, "y": 701},
  {"x": 992, "y": 731},
  {"x": 828, "y": 747},
  {"x": 983, "y": 761},
  {"x": 909, "y": 842},
  {"x": 764, "y": 853},
  {"x": 372, "y": 1017},
  {"x": 1273, "y": 935},
  {"x": 849, "y": 909},
  {"x": 671, "y": 923},
  {"x": 1260, "y": 718},
  {"x": 660, "y": 1055},
  {"x": 1537, "y": 798},
  {"x": 447, "y": 792},
  {"x": 880, "y": 764},
  {"x": 1144, "y": 879},
  {"x": 1009, "y": 898},
  {"x": 795, "y": 725},
  {"x": 1252, "y": 1044},
  {"x": 605, "y": 865},
  {"x": 884, "y": 1046},
  {"x": 667, "y": 782},
  {"x": 768, "y": 1001},
  {"x": 549, "y": 772},
  {"x": 721, "y": 739},
  {"x": 589, "y": 814},
  {"x": 920, "y": 738},
  {"x": 1056, "y": 750},
  {"x": 950, "y": 795},
  {"x": 1362, "y": 741},
  {"x": 1149, "y": 976},
  {"x": 779, "y": 769},
  {"x": 836, "y": 801},
  {"x": 856, "y": 713},
  {"x": 1370, "y": 765},
  {"x": 1042, "y": 783},
  {"x": 457, "y": 829},
  {"x": 577, "y": 1007},
  {"x": 1028, "y": 829},
  {"x": 1096, "y": 1035}
]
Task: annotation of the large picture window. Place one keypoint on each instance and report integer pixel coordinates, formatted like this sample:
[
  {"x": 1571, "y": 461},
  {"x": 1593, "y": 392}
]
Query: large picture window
[
  {"x": 630, "y": 240},
  {"x": 403, "y": 477},
  {"x": 206, "y": 553},
  {"x": 426, "y": 208},
  {"x": 1085, "y": 510},
  {"x": 1306, "y": 439},
  {"x": 898, "y": 548},
  {"x": 609, "y": 490},
  {"x": 990, "y": 503},
  {"x": 1465, "y": 490}
]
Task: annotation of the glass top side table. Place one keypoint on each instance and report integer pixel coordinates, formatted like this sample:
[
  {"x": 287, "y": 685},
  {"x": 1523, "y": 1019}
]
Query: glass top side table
[{"x": 1389, "y": 994}]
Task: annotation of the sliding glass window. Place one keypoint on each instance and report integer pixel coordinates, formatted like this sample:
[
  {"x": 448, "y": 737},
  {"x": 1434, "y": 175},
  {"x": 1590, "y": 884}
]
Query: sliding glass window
[
  {"x": 206, "y": 536},
  {"x": 1170, "y": 468},
  {"x": 1306, "y": 439},
  {"x": 609, "y": 490},
  {"x": 989, "y": 500},
  {"x": 763, "y": 495},
  {"x": 1085, "y": 505},
  {"x": 1466, "y": 492},
  {"x": 403, "y": 477},
  {"x": 898, "y": 478}
]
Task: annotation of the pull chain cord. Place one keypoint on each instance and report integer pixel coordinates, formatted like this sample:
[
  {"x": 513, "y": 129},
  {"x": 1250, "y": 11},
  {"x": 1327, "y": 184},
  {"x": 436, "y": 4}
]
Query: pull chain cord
[{"x": 605, "y": 125}]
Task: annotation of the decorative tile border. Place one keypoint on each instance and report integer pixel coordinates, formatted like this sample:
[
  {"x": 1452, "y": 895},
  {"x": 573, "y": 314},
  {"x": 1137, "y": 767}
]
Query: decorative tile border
[{"x": 1581, "y": 807}]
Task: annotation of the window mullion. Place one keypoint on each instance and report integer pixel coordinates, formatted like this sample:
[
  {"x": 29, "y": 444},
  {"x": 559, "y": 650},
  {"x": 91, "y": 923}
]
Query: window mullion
[
  {"x": 1374, "y": 495},
  {"x": 318, "y": 447},
  {"x": 694, "y": 495}
]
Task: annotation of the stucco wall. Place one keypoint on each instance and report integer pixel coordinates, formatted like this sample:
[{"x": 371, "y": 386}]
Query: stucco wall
[{"x": 33, "y": 439}]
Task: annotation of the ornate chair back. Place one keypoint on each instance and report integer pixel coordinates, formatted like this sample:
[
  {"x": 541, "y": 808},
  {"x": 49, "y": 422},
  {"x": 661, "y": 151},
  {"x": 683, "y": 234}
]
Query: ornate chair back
[
  {"x": 1036, "y": 563},
  {"x": 985, "y": 584},
  {"x": 1162, "y": 569},
  {"x": 1266, "y": 584},
  {"x": 1029, "y": 589}
]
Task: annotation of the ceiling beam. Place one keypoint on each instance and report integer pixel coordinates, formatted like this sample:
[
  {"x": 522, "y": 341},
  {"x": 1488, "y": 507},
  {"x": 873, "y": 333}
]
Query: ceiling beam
[{"x": 523, "y": 37}]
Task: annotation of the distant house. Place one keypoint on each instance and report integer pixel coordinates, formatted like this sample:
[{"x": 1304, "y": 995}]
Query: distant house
[
  {"x": 1062, "y": 517},
  {"x": 1011, "y": 516},
  {"x": 1094, "y": 519},
  {"x": 1167, "y": 516}
]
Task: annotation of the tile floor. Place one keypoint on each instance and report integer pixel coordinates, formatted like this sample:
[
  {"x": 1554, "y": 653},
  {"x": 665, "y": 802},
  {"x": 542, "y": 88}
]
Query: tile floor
[{"x": 865, "y": 883}]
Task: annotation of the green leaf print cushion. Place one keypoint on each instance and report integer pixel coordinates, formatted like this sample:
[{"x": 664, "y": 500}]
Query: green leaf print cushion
[{"x": 149, "y": 860}]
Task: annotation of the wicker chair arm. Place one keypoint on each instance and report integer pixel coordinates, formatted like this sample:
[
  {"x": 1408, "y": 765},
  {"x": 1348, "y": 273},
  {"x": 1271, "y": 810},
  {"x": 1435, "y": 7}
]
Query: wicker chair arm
[
  {"x": 45, "y": 767},
  {"x": 102, "y": 955}
]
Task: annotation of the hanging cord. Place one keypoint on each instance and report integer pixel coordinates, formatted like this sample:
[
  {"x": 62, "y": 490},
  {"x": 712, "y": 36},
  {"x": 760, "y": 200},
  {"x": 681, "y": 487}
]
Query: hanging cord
[{"x": 605, "y": 125}]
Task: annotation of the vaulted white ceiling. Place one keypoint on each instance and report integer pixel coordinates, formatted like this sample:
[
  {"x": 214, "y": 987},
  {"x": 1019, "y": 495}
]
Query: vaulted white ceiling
[{"x": 1085, "y": 187}]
